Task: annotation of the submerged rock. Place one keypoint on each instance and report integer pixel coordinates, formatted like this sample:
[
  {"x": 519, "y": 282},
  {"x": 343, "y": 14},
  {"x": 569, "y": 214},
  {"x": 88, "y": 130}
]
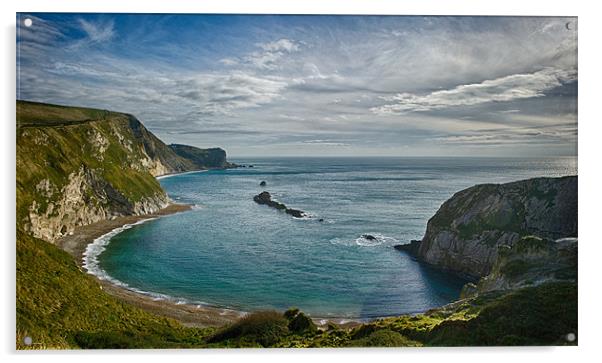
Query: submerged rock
[
  {"x": 262, "y": 184},
  {"x": 265, "y": 198},
  {"x": 368, "y": 237}
]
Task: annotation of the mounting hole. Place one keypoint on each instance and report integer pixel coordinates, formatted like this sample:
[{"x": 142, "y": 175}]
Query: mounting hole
[
  {"x": 27, "y": 341},
  {"x": 27, "y": 22},
  {"x": 570, "y": 337}
]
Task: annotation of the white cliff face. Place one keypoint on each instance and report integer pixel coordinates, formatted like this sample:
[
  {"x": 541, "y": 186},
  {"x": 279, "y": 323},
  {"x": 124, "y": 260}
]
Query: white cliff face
[
  {"x": 465, "y": 234},
  {"x": 82, "y": 202}
]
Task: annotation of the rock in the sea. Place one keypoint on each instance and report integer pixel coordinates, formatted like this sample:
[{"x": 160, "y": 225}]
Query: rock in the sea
[
  {"x": 368, "y": 237},
  {"x": 321, "y": 220},
  {"x": 410, "y": 248},
  {"x": 262, "y": 184},
  {"x": 266, "y": 199}
]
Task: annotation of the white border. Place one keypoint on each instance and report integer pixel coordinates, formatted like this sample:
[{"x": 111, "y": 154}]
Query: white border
[{"x": 589, "y": 168}]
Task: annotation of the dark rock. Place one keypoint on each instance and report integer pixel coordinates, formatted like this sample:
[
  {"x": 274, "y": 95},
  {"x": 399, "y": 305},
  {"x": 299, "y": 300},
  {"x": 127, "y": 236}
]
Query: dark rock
[
  {"x": 265, "y": 198},
  {"x": 410, "y": 248},
  {"x": 251, "y": 166},
  {"x": 369, "y": 237},
  {"x": 321, "y": 220},
  {"x": 294, "y": 212},
  {"x": 262, "y": 184}
]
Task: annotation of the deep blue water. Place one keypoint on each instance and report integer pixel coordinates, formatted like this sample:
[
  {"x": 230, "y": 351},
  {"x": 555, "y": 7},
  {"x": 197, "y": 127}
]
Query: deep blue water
[{"x": 234, "y": 253}]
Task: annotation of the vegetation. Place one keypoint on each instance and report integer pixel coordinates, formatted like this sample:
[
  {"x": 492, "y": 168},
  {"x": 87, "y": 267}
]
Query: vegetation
[{"x": 59, "y": 306}]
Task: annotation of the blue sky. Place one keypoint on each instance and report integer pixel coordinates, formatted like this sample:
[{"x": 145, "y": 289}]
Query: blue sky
[{"x": 317, "y": 85}]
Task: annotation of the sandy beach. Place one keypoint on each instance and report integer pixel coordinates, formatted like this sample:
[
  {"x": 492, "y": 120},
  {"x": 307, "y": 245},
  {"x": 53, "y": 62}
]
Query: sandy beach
[{"x": 187, "y": 314}]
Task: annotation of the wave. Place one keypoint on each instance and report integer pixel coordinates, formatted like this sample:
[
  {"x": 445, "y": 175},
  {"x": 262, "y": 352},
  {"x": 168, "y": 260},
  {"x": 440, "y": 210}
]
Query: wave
[
  {"x": 176, "y": 174},
  {"x": 379, "y": 239}
]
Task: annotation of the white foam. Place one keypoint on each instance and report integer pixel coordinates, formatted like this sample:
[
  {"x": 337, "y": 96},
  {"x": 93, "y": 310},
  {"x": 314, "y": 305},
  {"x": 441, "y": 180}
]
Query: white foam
[
  {"x": 379, "y": 239},
  {"x": 99, "y": 245},
  {"x": 176, "y": 174}
]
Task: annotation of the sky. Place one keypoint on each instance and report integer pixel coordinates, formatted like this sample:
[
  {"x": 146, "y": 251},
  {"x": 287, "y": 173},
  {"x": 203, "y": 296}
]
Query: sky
[{"x": 266, "y": 85}]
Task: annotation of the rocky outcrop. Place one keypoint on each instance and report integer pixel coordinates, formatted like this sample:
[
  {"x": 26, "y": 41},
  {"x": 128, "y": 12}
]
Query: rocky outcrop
[
  {"x": 214, "y": 158},
  {"x": 77, "y": 166},
  {"x": 466, "y": 233},
  {"x": 265, "y": 198},
  {"x": 531, "y": 261},
  {"x": 411, "y": 248}
]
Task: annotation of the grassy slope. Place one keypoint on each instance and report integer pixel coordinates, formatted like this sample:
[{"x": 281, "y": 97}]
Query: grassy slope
[
  {"x": 59, "y": 306},
  {"x": 54, "y": 141}
]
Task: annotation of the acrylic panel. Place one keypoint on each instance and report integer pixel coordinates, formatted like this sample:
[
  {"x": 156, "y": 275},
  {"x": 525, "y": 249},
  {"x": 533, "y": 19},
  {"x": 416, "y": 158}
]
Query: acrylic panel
[{"x": 229, "y": 181}]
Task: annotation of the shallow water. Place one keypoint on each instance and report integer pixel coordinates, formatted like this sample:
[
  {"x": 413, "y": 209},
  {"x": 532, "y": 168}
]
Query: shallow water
[{"x": 232, "y": 252}]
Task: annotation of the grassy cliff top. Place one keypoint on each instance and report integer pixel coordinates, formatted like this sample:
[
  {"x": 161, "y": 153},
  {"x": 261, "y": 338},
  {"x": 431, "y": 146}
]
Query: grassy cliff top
[{"x": 31, "y": 114}]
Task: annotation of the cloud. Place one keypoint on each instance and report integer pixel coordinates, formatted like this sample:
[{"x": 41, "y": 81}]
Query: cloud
[
  {"x": 504, "y": 89},
  {"x": 97, "y": 32},
  {"x": 325, "y": 143},
  {"x": 271, "y": 53},
  {"x": 254, "y": 83},
  {"x": 281, "y": 45},
  {"x": 550, "y": 134}
]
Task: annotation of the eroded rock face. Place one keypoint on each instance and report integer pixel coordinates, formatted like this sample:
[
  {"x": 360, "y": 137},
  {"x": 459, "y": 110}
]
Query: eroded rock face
[
  {"x": 530, "y": 261},
  {"x": 465, "y": 234},
  {"x": 85, "y": 199}
]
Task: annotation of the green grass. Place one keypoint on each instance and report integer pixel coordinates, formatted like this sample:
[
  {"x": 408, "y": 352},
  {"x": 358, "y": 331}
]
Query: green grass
[
  {"x": 259, "y": 329},
  {"x": 59, "y": 306}
]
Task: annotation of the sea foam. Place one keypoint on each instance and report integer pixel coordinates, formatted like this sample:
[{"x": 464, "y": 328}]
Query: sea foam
[{"x": 380, "y": 239}]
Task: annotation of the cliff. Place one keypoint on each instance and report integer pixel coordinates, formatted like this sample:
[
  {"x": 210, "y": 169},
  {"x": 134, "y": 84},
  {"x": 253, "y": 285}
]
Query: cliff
[
  {"x": 465, "y": 234},
  {"x": 77, "y": 166},
  {"x": 202, "y": 158},
  {"x": 531, "y": 261}
]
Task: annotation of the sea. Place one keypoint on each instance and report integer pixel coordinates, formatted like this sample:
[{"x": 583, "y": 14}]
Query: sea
[{"x": 231, "y": 252}]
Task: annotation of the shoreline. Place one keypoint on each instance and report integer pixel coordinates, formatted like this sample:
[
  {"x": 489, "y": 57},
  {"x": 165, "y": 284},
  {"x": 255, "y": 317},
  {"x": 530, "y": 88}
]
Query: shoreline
[
  {"x": 191, "y": 315},
  {"x": 188, "y": 314},
  {"x": 165, "y": 176}
]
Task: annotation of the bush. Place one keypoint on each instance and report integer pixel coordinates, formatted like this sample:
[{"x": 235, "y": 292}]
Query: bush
[
  {"x": 291, "y": 313},
  {"x": 265, "y": 328},
  {"x": 302, "y": 324},
  {"x": 299, "y": 323}
]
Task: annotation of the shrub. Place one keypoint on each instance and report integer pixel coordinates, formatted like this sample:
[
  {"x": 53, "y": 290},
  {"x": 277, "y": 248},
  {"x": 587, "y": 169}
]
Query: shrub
[
  {"x": 291, "y": 313},
  {"x": 302, "y": 324},
  {"x": 265, "y": 328}
]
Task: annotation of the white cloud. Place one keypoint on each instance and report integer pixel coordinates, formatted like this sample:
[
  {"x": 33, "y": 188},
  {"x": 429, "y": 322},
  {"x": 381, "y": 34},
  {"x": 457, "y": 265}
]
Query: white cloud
[
  {"x": 271, "y": 53},
  {"x": 97, "y": 32},
  {"x": 504, "y": 89},
  {"x": 281, "y": 45}
]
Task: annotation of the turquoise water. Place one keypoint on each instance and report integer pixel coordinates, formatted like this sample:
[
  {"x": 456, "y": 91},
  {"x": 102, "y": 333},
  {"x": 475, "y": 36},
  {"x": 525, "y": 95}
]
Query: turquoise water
[{"x": 232, "y": 252}]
